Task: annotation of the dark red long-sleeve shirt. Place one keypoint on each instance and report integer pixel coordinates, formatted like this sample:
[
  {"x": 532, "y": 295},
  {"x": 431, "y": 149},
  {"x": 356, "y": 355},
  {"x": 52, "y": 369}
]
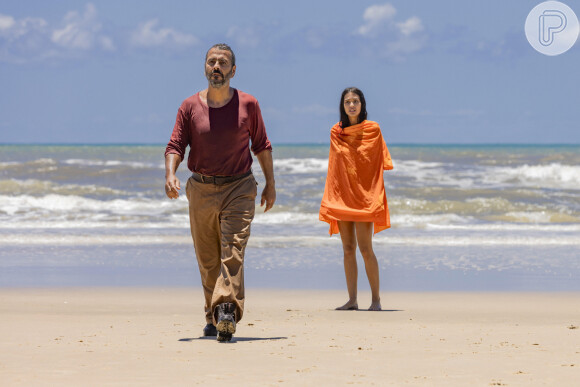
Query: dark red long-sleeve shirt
[{"x": 219, "y": 137}]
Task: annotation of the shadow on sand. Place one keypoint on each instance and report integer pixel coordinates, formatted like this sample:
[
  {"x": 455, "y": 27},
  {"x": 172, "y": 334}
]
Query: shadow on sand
[
  {"x": 234, "y": 339},
  {"x": 366, "y": 310}
]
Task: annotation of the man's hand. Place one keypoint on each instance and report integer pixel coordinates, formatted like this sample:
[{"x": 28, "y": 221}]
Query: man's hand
[
  {"x": 172, "y": 187},
  {"x": 269, "y": 192},
  {"x": 268, "y": 197},
  {"x": 172, "y": 184}
]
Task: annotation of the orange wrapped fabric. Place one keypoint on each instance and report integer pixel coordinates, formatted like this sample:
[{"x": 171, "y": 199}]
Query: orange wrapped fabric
[{"x": 355, "y": 189}]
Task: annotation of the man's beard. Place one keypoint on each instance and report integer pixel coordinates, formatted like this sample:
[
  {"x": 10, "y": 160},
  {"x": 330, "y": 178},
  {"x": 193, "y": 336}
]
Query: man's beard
[{"x": 217, "y": 83}]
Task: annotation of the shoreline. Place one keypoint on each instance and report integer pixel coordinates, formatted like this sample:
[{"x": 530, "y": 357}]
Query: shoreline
[{"x": 151, "y": 336}]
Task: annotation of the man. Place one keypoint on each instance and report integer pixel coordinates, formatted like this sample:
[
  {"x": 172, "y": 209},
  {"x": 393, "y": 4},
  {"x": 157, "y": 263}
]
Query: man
[{"x": 217, "y": 123}]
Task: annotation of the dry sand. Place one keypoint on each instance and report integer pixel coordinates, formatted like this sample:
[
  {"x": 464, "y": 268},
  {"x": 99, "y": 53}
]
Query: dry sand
[{"x": 135, "y": 337}]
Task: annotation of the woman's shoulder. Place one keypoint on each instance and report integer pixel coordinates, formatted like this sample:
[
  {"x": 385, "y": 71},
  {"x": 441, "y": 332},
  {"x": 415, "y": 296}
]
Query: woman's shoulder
[{"x": 369, "y": 123}]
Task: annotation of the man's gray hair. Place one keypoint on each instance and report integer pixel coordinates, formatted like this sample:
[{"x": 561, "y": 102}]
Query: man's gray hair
[{"x": 224, "y": 47}]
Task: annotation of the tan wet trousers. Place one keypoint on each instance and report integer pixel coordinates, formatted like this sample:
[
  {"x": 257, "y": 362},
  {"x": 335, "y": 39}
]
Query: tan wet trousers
[{"x": 220, "y": 217}]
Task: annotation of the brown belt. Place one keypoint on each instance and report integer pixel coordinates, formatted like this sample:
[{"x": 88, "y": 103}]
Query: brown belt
[{"x": 218, "y": 180}]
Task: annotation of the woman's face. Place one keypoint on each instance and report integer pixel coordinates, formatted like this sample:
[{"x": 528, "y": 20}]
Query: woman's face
[{"x": 352, "y": 106}]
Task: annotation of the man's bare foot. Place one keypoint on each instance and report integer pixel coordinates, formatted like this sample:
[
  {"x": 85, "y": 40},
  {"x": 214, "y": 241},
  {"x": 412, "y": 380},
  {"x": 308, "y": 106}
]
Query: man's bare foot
[
  {"x": 350, "y": 305},
  {"x": 375, "y": 306}
]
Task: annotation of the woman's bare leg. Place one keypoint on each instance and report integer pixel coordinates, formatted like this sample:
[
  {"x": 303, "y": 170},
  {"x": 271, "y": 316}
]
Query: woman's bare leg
[
  {"x": 364, "y": 237},
  {"x": 348, "y": 238}
]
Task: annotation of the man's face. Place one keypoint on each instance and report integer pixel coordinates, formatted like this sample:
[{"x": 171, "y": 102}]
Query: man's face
[{"x": 218, "y": 67}]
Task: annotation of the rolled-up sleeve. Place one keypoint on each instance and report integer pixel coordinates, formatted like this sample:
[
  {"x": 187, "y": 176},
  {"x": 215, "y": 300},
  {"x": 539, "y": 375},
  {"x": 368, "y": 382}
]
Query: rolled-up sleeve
[
  {"x": 260, "y": 141},
  {"x": 180, "y": 136}
]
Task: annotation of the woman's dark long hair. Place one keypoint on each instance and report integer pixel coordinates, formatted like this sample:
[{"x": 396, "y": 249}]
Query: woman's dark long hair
[{"x": 344, "y": 120}]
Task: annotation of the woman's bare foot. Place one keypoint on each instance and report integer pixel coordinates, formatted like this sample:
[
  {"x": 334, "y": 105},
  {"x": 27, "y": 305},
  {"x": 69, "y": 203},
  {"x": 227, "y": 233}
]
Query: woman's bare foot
[
  {"x": 350, "y": 305},
  {"x": 375, "y": 306}
]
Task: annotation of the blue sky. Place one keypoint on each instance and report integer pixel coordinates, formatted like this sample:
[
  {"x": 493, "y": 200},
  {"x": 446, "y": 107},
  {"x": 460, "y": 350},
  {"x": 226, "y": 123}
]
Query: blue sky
[{"x": 432, "y": 71}]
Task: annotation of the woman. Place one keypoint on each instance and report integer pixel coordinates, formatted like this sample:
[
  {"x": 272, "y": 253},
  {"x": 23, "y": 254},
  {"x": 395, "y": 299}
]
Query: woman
[{"x": 354, "y": 201}]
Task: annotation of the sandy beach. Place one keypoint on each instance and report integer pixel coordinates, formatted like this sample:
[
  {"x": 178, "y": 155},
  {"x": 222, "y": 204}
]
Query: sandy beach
[{"x": 141, "y": 337}]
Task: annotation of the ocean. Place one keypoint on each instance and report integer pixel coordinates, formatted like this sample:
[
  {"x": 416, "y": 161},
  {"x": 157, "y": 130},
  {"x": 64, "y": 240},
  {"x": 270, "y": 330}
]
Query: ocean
[{"x": 464, "y": 217}]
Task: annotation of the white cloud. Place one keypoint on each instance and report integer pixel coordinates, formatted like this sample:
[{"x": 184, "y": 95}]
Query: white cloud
[
  {"x": 397, "y": 49},
  {"x": 107, "y": 43},
  {"x": 81, "y": 31},
  {"x": 315, "y": 38},
  {"x": 244, "y": 36},
  {"x": 411, "y": 26},
  {"x": 6, "y": 22},
  {"x": 375, "y": 16},
  {"x": 33, "y": 39},
  {"x": 149, "y": 35},
  {"x": 79, "y": 34},
  {"x": 21, "y": 39},
  {"x": 13, "y": 29},
  {"x": 386, "y": 36}
]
